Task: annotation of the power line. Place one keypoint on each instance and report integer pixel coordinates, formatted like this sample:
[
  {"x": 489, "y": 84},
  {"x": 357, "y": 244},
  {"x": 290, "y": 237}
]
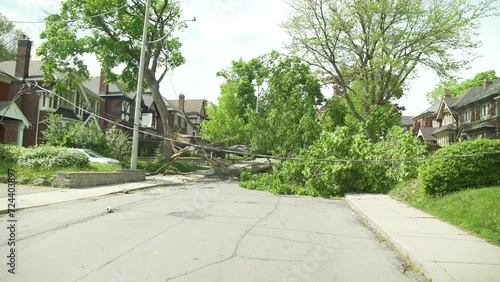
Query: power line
[
  {"x": 71, "y": 21},
  {"x": 269, "y": 156}
]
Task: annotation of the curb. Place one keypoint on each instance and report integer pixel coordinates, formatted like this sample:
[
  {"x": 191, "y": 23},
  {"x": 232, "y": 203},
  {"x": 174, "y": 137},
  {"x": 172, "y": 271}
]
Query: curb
[
  {"x": 381, "y": 233},
  {"x": 4, "y": 211}
]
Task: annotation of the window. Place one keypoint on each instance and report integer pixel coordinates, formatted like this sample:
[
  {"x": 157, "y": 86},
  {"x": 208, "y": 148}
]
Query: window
[
  {"x": 485, "y": 110},
  {"x": 48, "y": 101},
  {"x": 467, "y": 115},
  {"x": 67, "y": 101},
  {"x": 125, "y": 115}
]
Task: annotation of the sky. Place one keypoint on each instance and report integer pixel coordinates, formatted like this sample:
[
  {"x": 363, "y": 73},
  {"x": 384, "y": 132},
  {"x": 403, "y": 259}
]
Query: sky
[{"x": 226, "y": 30}]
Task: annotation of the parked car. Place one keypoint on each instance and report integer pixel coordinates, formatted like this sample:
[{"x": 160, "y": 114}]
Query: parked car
[{"x": 95, "y": 157}]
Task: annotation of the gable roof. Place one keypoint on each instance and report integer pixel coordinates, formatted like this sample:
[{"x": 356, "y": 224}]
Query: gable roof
[
  {"x": 426, "y": 133},
  {"x": 9, "y": 109}
]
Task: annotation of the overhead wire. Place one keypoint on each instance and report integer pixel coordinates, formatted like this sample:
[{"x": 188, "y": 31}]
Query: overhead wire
[{"x": 268, "y": 156}]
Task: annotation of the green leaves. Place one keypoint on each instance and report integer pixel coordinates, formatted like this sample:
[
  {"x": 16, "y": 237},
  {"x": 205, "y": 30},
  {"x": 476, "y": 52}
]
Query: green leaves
[
  {"x": 370, "y": 49},
  {"x": 455, "y": 88},
  {"x": 444, "y": 175},
  {"x": 8, "y": 36},
  {"x": 287, "y": 116}
]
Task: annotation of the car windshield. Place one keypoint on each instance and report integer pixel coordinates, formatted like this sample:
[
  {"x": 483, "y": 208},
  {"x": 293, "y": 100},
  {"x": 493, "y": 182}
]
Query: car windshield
[{"x": 93, "y": 154}]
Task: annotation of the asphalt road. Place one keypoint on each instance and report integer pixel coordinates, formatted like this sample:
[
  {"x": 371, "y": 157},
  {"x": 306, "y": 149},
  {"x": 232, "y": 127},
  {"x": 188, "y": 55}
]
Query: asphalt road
[{"x": 212, "y": 231}]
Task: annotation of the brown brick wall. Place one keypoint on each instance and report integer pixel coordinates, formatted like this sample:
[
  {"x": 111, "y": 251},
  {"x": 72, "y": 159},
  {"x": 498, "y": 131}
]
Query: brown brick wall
[
  {"x": 4, "y": 91},
  {"x": 10, "y": 133}
]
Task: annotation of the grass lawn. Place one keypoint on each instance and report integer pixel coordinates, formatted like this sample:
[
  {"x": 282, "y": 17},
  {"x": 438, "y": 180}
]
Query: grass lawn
[
  {"x": 28, "y": 175},
  {"x": 475, "y": 210}
]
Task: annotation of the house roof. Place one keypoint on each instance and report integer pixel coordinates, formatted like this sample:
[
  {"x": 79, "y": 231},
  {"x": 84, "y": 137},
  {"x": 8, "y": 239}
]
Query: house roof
[
  {"x": 35, "y": 70},
  {"x": 7, "y": 78},
  {"x": 10, "y": 110},
  {"x": 448, "y": 127},
  {"x": 190, "y": 105},
  {"x": 468, "y": 96},
  {"x": 426, "y": 133},
  {"x": 484, "y": 124},
  {"x": 114, "y": 88},
  {"x": 406, "y": 120},
  {"x": 478, "y": 93},
  {"x": 65, "y": 113},
  {"x": 433, "y": 109}
]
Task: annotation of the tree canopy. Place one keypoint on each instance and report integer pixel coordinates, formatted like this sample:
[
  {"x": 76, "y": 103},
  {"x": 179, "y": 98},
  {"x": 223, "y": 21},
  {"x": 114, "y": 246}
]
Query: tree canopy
[
  {"x": 370, "y": 49},
  {"x": 112, "y": 31},
  {"x": 456, "y": 88},
  {"x": 287, "y": 117},
  {"x": 8, "y": 36}
]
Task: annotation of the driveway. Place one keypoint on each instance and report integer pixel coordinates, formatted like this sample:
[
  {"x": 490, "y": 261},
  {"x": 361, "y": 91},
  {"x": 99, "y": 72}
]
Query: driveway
[{"x": 202, "y": 232}]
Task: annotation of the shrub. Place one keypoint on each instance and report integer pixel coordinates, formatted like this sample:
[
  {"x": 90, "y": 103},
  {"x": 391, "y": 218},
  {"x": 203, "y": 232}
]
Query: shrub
[
  {"x": 10, "y": 153},
  {"x": 444, "y": 175},
  {"x": 329, "y": 177},
  {"x": 48, "y": 157},
  {"x": 118, "y": 143}
]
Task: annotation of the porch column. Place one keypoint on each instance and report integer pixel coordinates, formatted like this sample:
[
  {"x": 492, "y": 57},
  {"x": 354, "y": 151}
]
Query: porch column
[{"x": 20, "y": 134}]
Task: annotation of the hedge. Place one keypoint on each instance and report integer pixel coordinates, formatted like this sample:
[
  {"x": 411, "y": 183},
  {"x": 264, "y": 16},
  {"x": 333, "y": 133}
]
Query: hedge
[
  {"x": 443, "y": 175},
  {"x": 49, "y": 157}
]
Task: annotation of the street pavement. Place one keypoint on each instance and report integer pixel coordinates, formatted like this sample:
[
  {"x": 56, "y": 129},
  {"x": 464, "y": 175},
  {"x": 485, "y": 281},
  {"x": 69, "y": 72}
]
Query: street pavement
[
  {"x": 205, "y": 231},
  {"x": 442, "y": 251}
]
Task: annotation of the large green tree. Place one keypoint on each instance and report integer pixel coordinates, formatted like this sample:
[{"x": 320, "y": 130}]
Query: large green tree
[
  {"x": 226, "y": 125},
  {"x": 370, "y": 49},
  {"x": 455, "y": 88},
  {"x": 8, "y": 36},
  {"x": 112, "y": 30},
  {"x": 287, "y": 117}
]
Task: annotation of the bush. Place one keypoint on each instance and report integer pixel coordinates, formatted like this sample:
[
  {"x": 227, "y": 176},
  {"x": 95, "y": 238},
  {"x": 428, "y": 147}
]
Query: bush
[
  {"x": 48, "y": 157},
  {"x": 444, "y": 175},
  {"x": 10, "y": 153},
  {"x": 335, "y": 178}
]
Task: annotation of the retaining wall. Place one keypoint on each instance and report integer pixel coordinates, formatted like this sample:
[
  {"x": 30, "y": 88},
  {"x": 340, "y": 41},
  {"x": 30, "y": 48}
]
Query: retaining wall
[{"x": 87, "y": 179}]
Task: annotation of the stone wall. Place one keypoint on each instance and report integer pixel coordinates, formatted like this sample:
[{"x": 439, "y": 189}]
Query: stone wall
[{"x": 88, "y": 179}]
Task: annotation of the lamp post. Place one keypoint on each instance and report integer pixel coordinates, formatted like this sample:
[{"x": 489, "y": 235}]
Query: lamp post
[{"x": 140, "y": 79}]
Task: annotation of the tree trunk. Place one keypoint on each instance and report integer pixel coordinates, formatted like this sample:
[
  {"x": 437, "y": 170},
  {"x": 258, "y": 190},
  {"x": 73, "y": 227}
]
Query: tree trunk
[{"x": 162, "y": 109}]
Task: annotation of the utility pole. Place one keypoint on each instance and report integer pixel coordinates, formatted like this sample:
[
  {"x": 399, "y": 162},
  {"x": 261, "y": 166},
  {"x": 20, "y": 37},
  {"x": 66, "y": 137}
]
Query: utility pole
[{"x": 138, "y": 96}]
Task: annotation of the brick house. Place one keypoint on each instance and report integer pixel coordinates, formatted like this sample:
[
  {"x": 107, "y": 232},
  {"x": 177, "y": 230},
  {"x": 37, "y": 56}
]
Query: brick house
[
  {"x": 445, "y": 123},
  {"x": 12, "y": 120},
  {"x": 477, "y": 111},
  {"x": 194, "y": 110},
  {"x": 424, "y": 124},
  {"x": 36, "y": 103}
]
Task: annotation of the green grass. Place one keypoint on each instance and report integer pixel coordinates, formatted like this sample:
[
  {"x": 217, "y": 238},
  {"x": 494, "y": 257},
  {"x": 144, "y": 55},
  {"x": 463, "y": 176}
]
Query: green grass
[{"x": 475, "y": 210}]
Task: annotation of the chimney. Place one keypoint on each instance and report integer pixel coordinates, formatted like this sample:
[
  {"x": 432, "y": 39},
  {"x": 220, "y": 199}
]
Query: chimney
[
  {"x": 486, "y": 83},
  {"x": 23, "y": 57},
  {"x": 181, "y": 102},
  {"x": 447, "y": 95},
  {"x": 103, "y": 87}
]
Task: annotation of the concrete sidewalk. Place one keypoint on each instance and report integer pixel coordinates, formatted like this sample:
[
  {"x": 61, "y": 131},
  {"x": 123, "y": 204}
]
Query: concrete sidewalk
[
  {"x": 442, "y": 251},
  {"x": 29, "y": 197}
]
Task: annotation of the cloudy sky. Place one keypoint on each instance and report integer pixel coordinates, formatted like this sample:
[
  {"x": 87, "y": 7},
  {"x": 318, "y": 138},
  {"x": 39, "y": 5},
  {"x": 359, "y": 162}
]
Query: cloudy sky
[{"x": 227, "y": 30}]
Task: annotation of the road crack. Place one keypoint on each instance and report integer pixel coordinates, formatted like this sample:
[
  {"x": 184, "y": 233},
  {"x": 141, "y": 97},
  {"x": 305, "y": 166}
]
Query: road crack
[{"x": 235, "y": 251}]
